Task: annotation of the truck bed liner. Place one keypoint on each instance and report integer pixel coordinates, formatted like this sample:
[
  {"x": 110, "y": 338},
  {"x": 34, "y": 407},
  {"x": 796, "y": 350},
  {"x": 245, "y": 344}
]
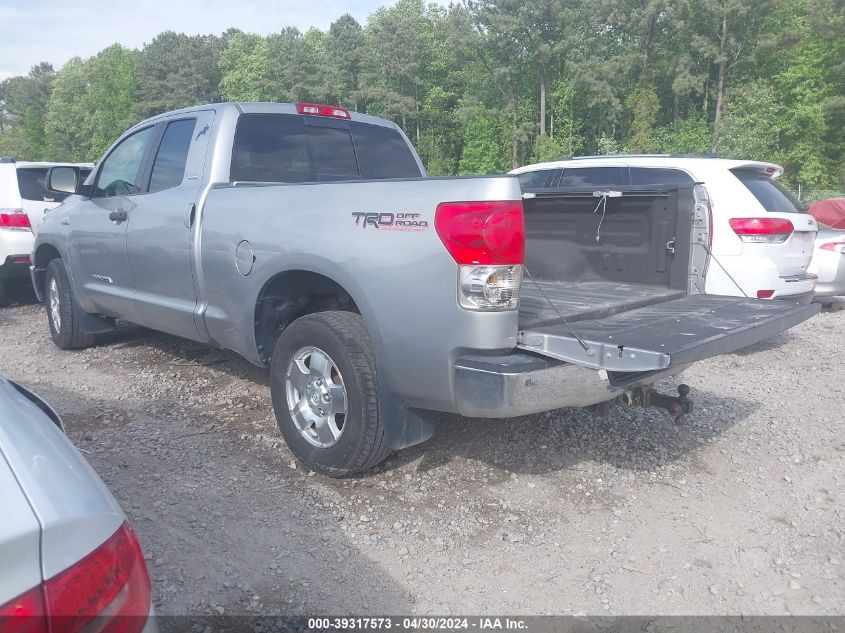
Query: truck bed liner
[{"x": 577, "y": 301}]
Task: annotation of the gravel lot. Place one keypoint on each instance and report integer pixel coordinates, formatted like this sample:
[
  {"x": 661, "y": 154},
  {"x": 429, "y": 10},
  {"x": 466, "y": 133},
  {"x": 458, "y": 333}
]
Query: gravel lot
[{"x": 740, "y": 510}]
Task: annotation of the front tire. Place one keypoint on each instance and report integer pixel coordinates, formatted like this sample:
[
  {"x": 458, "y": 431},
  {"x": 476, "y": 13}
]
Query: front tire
[
  {"x": 62, "y": 311},
  {"x": 325, "y": 394}
]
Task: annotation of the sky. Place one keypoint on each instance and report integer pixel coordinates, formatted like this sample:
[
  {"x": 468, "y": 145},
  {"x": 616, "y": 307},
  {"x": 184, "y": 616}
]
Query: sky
[{"x": 32, "y": 31}]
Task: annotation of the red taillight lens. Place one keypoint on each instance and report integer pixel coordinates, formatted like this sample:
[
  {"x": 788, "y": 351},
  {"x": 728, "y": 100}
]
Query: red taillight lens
[
  {"x": 110, "y": 583},
  {"x": 837, "y": 247},
  {"x": 24, "y": 614},
  {"x": 487, "y": 233},
  {"x": 315, "y": 109},
  {"x": 21, "y": 260},
  {"x": 765, "y": 294},
  {"x": 14, "y": 219},
  {"x": 762, "y": 229}
]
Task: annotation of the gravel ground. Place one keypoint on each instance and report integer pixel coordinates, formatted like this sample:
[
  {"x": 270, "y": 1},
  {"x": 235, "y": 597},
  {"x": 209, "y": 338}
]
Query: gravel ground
[{"x": 740, "y": 510}]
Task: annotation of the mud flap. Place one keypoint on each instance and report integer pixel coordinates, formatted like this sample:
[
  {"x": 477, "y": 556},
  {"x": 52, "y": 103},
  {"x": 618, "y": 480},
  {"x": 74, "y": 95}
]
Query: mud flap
[
  {"x": 403, "y": 426},
  {"x": 667, "y": 334}
]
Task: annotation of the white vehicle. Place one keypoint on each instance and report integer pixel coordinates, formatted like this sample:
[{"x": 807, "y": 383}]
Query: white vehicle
[
  {"x": 760, "y": 236},
  {"x": 28, "y": 191}
]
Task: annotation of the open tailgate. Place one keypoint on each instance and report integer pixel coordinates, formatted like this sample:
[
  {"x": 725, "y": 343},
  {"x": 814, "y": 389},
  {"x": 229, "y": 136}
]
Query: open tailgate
[{"x": 672, "y": 333}]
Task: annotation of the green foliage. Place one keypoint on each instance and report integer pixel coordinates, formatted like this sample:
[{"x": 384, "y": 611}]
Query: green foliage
[
  {"x": 482, "y": 151},
  {"x": 91, "y": 104},
  {"x": 486, "y": 85}
]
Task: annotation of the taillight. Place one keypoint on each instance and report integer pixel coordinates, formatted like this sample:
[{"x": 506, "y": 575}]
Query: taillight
[
  {"x": 14, "y": 220},
  {"x": 24, "y": 614},
  {"x": 836, "y": 247},
  {"x": 765, "y": 230},
  {"x": 487, "y": 240},
  {"x": 765, "y": 294},
  {"x": 315, "y": 109},
  {"x": 110, "y": 584}
]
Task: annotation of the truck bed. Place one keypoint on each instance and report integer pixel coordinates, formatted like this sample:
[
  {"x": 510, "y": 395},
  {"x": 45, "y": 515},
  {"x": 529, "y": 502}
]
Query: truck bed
[{"x": 577, "y": 301}]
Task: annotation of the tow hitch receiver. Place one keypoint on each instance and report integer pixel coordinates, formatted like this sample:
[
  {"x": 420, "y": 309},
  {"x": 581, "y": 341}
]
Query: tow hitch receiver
[{"x": 677, "y": 407}]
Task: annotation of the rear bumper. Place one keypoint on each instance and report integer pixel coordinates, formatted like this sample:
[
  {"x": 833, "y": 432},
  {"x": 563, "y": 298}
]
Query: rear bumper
[
  {"x": 523, "y": 384},
  {"x": 753, "y": 274},
  {"x": 15, "y": 267}
]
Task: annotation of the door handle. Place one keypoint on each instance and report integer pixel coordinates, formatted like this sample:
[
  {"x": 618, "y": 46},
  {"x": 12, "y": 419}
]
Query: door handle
[
  {"x": 670, "y": 247},
  {"x": 190, "y": 215},
  {"x": 118, "y": 216}
]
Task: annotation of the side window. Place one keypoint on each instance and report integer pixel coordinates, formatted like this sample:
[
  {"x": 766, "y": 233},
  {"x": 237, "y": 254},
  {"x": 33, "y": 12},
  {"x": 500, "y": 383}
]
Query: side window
[
  {"x": 382, "y": 152},
  {"x": 120, "y": 174},
  {"x": 536, "y": 179},
  {"x": 32, "y": 183},
  {"x": 655, "y": 176},
  {"x": 282, "y": 148},
  {"x": 172, "y": 155},
  {"x": 593, "y": 177}
]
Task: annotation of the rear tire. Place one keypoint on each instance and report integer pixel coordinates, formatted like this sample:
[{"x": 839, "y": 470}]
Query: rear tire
[
  {"x": 62, "y": 311},
  {"x": 320, "y": 360},
  {"x": 3, "y": 290}
]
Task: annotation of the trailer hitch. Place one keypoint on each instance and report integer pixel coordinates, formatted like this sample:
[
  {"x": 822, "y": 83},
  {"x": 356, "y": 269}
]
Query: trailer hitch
[{"x": 678, "y": 407}]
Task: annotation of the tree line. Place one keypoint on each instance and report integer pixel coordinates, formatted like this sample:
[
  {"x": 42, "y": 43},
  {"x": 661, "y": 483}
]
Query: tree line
[{"x": 488, "y": 85}]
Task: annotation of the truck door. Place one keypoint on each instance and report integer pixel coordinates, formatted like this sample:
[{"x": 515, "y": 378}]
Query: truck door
[
  {"x": 159, "y": 232},
  {"x": 97, "y": 230}
]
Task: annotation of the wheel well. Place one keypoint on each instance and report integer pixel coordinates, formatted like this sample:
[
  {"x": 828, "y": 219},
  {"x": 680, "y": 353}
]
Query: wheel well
[
  {"x": 44, "y": 255},
  {"x": 290, "y": 295}
]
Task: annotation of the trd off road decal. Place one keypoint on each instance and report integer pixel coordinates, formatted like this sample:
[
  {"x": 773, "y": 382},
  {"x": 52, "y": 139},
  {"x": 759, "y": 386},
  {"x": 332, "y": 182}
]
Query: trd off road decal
[{"x": 405, "y": 222}]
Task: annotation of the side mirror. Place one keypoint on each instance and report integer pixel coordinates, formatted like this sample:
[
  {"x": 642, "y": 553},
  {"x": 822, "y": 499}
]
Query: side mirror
[{"x": 62, "y": 179}]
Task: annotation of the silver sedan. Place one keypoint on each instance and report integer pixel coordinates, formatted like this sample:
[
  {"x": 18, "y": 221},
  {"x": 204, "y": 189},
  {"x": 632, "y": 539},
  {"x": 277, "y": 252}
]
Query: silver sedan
[
  {"x": 829, "y": 262},
  {"x": 67, "y": 553}
]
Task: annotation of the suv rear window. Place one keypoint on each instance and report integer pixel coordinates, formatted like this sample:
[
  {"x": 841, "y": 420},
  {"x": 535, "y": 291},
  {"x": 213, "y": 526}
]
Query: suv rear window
[
  {"x": 769, "y": 192},
  {"x": 295, "y": 148},
  {"x": 32, "y": 183}
]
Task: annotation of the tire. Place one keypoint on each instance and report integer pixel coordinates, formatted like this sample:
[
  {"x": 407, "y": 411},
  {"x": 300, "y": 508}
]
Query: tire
[
  {"x": 66, "y": 329},
  {"x": 3, "y": 290},
  {"x": 339, "y": 337}
]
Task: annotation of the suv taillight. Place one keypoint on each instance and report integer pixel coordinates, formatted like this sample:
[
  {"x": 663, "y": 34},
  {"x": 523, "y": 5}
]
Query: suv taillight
[
  {"x": 765, "y": 230},
  {"x": 110, "y": 585},
  {"x": 836, "y": 247},
  {"x": 14, "y": 220},
  {"x": 487, "y": 240}
]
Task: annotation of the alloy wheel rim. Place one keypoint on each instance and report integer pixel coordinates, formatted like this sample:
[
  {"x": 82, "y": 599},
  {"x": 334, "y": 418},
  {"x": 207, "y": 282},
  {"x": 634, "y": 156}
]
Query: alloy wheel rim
[
  {"x": 55, "y": 311},
  {"x": 316, "y": 397}
]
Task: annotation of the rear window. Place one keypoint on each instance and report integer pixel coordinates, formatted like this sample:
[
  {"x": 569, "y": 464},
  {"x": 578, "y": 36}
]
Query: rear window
[
  {"x": 655, "y": 176},
  {"x": 592, "y": 177},
  {"x": 32, "y": 183},
  {"x": 769, "y": 192},
  {"x": 294, "y": 148},
  {"x": 536, "y": 179}
]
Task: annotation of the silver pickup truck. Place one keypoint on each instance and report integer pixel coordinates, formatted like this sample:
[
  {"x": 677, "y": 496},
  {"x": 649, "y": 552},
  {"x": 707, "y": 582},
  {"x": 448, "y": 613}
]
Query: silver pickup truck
[{"x": 308, "y": 240}]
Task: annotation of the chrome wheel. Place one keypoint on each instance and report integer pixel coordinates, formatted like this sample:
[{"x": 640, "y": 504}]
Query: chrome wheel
[
  {"x": 55, "y": 306},
  {"x": 316, "y": 397}
]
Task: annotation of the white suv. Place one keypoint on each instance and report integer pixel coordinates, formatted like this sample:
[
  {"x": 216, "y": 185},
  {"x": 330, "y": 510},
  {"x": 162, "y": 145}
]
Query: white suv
[
  {"x": 28, "y": 191},
  {"x": 760, "y": 236}
]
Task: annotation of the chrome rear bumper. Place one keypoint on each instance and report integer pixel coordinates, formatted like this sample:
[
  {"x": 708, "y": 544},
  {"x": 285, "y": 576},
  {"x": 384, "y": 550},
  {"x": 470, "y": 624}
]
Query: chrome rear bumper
[{"x": 521, "y": 384}]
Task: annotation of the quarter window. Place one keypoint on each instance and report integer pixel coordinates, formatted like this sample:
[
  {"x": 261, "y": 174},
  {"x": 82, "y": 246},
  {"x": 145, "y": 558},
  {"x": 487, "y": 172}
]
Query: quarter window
[
  {"x": 172, "y": 156},
  {"x": 536, "y": 179},
  {"x": 120, "y": 174},
  {"x": 655, "y": 176}
]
